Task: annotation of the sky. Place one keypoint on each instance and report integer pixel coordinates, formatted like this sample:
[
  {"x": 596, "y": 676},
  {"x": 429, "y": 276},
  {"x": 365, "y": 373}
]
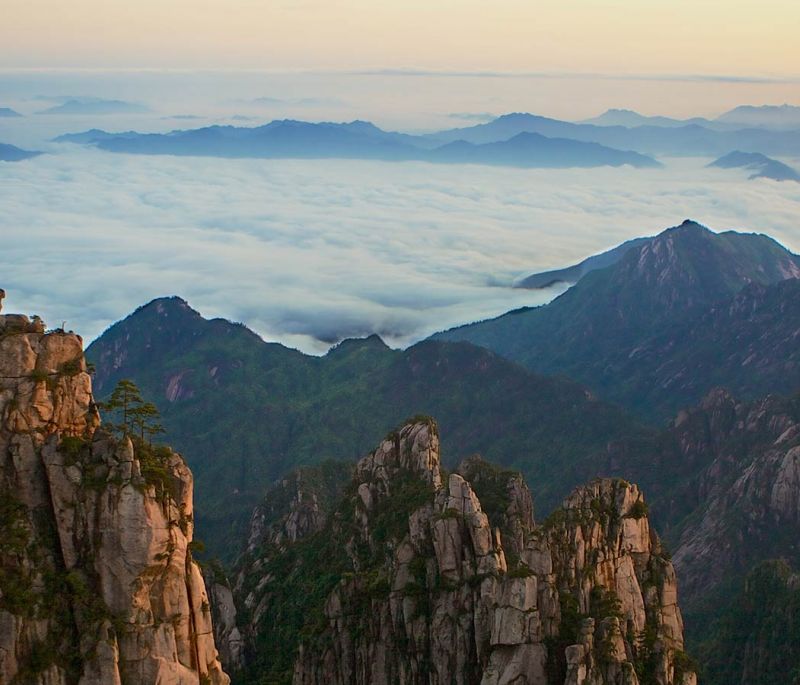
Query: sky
[
  {"x": 407, "y": 64},
  {"x": 739, "y": 38},
  {"x": 309, "y": 252}
]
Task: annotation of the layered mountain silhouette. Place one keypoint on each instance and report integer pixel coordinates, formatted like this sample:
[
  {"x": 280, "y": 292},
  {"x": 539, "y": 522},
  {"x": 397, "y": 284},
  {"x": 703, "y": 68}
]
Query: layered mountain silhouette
[
  {"x": 669, "y": 320},
  {"x": 630, "y": 119},
  {"x": 760, "y": 165},
  {"x": 780, "y": 117},
  {"x": 518, "y": 139},
  {"x": 94, "y": 106},
  {"x": 358, "y": 140},
  {"x": 11, "y": 153},
  {"x": 7, "y": 112},
  {"x": 247, "y": 411},
  {"x": 692, "y": 139},
  {"x": 767, "y": 116}
]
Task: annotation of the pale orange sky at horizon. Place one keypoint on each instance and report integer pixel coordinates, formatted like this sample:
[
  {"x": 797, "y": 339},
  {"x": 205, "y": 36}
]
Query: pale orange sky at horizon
[{"x": 621, "y": 37}]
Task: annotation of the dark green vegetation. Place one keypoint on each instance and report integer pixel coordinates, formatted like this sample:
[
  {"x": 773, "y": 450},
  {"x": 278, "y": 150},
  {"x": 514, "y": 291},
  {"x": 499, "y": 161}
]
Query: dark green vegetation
[
  {"x": 756, "y": 640},
  {"x": 133, "y": 417},
  {"x": 669, "y": 321},
  {"x": 245, "y": 412},
  {"x": 303, "y": 573}
]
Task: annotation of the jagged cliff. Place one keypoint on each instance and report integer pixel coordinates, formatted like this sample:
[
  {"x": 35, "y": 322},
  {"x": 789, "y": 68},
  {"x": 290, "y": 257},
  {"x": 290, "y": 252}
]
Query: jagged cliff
[
  {"x": 414, "y": 575},
  {"x": 97, "y": 582},
  {"x": 742, "y": 505}
]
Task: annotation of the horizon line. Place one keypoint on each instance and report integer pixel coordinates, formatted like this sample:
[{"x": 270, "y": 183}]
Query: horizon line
[{"x": 422, "y": 72}]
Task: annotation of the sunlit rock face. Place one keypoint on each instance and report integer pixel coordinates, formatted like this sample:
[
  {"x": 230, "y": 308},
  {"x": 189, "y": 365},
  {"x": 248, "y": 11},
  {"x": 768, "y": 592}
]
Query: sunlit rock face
[{"x": 97, "y": 583}]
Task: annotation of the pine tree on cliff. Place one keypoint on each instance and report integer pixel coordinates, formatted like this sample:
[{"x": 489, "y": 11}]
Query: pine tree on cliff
[{"x": 138, "y": 418}]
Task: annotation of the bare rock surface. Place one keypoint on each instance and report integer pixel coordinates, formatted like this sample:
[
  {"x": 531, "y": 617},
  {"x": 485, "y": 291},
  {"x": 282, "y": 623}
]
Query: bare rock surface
[{"x": 97, "y": 581}]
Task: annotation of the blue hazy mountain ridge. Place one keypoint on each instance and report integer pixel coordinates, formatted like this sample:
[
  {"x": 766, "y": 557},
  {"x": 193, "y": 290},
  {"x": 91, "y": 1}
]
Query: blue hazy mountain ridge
[
  {"x": 572, "y": 274},
  {"x": 630, "y": 119},
  {"x": 786, "y": 117},
  {"x": 535, "y": 150},
  {"x": 598, "y": 331},
  {"x": 95, "y": 106},
  {"x": 357, "y": 140},
  {"x": 763, "y": 116},
  {"x": 688, "y": 140},
  {"x": 761, "y": 166},
  {"x": 11, "y": 153},
  {"x": 8, "y": 113}
]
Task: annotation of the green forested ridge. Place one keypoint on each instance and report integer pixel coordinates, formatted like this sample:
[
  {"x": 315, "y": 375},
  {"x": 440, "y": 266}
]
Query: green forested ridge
[
  {"x": 244, "y": 412},
  {"x": 686, "y": 311},
  {"x": 756, "y": 639}
]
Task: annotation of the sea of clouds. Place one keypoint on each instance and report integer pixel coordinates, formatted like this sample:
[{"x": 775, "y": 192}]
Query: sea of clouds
[{"x": 310, "y": 252}]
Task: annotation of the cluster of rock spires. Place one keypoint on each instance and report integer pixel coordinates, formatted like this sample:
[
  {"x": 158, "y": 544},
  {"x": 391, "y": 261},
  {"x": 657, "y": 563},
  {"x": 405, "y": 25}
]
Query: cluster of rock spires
[
  {"x": 445, "y": 578},
  {"x": 97, "y": 582}
]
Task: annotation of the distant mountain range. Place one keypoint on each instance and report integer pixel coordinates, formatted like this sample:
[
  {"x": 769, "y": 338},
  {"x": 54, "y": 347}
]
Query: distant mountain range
[
  {"x": 672, "y": 317},
  {"x": 616, "y": 138},
  {"x": 684, "y": 140},
  {"x": 7, "y": 113},
  {"x": 780, "y": 117},
  {"x": 358, "y": 140},
  {"x": 10, "y": 153},
  {"x": 764, "y": 116},
  {"x": 630, "y": 119},
  {"x": 761, "y": 166},
  {"x": 95, "y": 106}
]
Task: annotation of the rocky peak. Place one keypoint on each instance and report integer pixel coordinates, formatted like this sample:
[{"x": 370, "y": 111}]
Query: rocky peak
[
  {"x": 97, "y": 582},
  {"x": 435, "y": 577},
  {"x": 411, "y": 451}
]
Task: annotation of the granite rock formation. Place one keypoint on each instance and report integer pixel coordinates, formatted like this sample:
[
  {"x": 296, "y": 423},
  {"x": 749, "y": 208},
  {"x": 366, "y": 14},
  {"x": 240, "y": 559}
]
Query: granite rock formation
[
  {"x": 410, "y": 578},
  {"x": 97, "y": 581}
]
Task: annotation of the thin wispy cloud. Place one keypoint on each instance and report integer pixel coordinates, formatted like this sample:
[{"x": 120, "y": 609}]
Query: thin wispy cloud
[{"x": 563, "y": 75}]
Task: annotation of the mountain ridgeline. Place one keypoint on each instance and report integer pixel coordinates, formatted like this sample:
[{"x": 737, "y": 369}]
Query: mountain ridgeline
[
  {"x": 249, "y": 411},
  {"x": 517, "y": 139},
  {"x": 359, "y": 140},
  {"x": 672, "y": 318}
]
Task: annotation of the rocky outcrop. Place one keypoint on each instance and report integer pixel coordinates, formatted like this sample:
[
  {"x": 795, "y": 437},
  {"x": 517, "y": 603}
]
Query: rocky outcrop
[
  {"x": 421, "y": 585},
  {"x": 747, "y": 495},
  {"x": 97, "y": 581},
  {"x": 227, "y": 635}
]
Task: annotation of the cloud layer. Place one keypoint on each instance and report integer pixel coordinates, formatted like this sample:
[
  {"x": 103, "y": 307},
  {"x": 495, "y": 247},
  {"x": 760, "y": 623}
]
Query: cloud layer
[{"x": 308, "y": 252}]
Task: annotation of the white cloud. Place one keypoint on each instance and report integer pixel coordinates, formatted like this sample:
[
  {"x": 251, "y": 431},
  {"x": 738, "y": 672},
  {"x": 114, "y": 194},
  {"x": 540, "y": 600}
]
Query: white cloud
[{"x": 305, "y": 252}]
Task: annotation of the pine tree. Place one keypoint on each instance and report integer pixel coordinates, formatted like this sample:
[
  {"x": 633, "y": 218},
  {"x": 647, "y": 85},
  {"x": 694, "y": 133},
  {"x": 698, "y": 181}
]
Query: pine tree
[{"x": 136, "y": 417}]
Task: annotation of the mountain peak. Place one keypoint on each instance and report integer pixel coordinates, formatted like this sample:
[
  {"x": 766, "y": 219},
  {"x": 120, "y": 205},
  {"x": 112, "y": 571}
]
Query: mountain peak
[{"x": 348, "y": 345}]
